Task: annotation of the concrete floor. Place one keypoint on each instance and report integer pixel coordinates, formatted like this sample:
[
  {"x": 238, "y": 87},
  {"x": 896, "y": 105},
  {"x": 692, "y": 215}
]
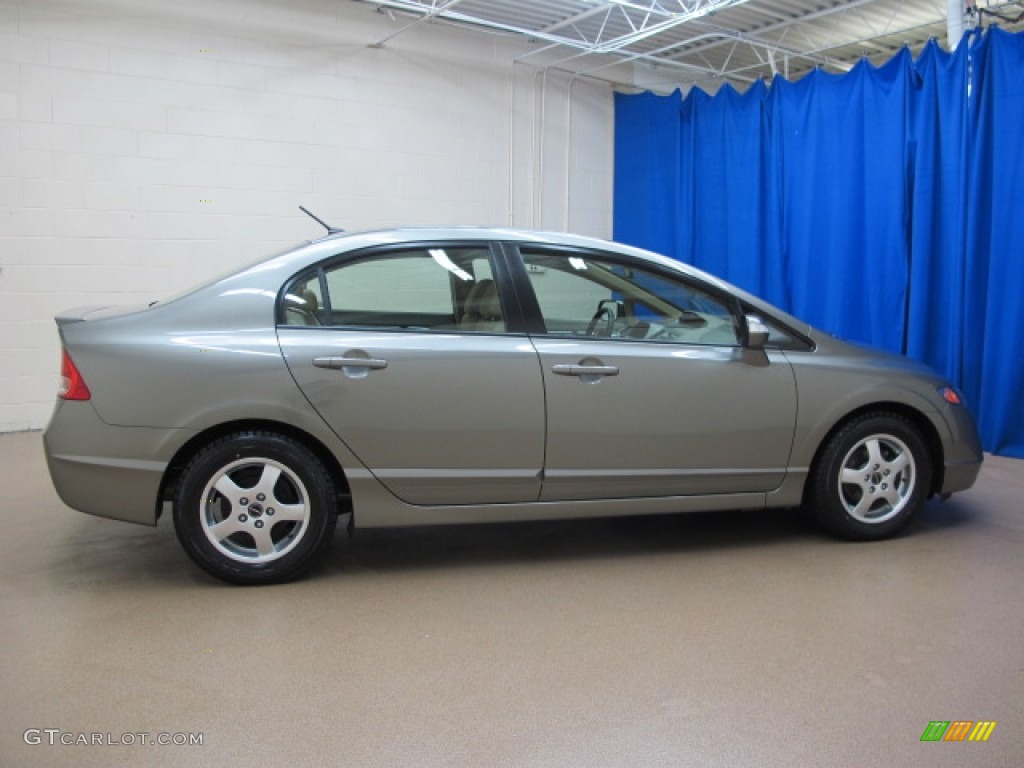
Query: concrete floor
[{"x": 735, "y": 639}]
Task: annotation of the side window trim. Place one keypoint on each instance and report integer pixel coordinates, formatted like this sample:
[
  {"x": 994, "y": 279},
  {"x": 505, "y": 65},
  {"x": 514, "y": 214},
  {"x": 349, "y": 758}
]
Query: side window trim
[
  {"x": 517, "y": 287},
  {"x": 282, "y": 306},
  {"x": 321, "y": 274}
]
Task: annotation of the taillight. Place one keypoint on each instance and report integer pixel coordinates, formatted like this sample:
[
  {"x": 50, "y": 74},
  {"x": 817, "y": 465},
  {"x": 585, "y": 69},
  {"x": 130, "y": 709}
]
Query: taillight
[{"x": 72, "y": 385}]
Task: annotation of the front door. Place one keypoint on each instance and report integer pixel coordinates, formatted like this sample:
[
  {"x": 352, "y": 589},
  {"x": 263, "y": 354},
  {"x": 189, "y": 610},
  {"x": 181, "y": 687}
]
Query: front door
[{"x": 649, "y": 390}]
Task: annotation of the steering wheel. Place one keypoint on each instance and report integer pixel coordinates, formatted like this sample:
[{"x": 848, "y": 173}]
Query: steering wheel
[{"x": 603, "y": 310}]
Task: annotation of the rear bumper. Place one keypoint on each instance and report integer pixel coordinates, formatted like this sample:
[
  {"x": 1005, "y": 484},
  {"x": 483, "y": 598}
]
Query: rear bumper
[{"x": 103, "y": 470}]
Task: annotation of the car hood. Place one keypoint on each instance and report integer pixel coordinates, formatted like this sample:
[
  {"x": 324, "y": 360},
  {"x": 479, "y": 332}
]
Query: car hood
[{"x": 868, "y": 356}]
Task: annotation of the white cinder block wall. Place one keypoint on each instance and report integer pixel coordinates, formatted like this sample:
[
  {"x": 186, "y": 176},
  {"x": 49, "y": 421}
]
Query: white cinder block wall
[{"x": 146, "y": 145}]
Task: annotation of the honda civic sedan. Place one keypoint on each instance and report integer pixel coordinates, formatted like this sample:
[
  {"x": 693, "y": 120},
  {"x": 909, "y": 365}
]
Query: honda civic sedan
[{"x": 440, "y": 376}]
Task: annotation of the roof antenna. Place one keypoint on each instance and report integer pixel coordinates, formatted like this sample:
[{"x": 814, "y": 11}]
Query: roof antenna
[{"x": 330, "y": 230}]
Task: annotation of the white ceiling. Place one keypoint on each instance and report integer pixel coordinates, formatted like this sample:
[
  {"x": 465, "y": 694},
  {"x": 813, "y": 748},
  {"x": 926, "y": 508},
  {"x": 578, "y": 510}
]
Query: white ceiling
[{"x": 708, "y": 42}]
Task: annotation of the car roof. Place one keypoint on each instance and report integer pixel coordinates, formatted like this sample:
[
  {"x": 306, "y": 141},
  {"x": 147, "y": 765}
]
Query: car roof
[
  {"x": 350, "y": 241},
  {"x": 413, "y": 234}
]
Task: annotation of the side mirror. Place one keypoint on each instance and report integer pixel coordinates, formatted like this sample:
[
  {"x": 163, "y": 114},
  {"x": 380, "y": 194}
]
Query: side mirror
[{"x": 757, "y": 333}]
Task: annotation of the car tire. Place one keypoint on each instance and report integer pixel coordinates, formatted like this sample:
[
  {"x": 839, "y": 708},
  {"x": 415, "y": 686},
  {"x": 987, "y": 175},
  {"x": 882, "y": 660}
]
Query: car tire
[
  {"x": 255, "y": 508},
  {"x": 871, "y": 477}
]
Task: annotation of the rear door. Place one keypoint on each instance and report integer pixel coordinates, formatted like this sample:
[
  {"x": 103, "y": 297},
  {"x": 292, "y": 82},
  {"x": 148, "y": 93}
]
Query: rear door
[{"x": 410, "y": 355}]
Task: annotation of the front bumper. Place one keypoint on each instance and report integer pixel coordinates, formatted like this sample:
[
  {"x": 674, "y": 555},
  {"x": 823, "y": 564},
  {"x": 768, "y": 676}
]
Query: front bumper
[
  {"x": 960, "y": 477},
  {"x": 962, "y": 451}
]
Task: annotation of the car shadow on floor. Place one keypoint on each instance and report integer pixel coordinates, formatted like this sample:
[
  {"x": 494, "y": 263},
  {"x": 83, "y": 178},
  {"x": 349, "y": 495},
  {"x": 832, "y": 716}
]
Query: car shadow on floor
[
  {"x": 623, "y": 537},
  {"x": 603, "y": 538},
  {"x": 97, "y": 551}
]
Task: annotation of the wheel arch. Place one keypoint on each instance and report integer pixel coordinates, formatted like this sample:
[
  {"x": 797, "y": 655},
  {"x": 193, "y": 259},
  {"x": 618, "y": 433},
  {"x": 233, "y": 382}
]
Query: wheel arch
[
  {"x": 923, "y": 424},
  {"x": 176, "y": 466}
]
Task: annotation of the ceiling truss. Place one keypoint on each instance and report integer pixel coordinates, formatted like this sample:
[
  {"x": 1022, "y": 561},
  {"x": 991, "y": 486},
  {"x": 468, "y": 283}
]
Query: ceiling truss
[{"x": 707, "y": 42}]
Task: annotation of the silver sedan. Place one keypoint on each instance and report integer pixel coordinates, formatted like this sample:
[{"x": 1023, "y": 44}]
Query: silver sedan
[{"x": 434, "y": 376}]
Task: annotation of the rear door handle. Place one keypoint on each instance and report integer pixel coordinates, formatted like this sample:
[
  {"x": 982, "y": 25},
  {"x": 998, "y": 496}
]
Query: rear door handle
[
  {"x": 337, "y": 363},
  {"x": 586, "y": 370}
]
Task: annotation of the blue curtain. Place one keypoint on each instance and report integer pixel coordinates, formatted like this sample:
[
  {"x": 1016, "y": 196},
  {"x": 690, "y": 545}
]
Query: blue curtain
[
  {"x": 937, "y": 230},
  {"x": 877, "y": 205},
  {"x": 993, "y": 362}
]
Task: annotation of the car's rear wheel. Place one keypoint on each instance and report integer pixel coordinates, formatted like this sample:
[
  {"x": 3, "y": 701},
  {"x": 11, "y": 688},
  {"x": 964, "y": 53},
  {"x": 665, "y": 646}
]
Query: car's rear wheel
[
  {"x": 872, "y": 476},
  {"x": 254, "y": 508}
]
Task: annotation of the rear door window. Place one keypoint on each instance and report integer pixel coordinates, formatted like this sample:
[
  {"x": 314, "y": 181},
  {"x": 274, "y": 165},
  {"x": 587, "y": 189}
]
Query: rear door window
[{"x": 420, "y": 289}]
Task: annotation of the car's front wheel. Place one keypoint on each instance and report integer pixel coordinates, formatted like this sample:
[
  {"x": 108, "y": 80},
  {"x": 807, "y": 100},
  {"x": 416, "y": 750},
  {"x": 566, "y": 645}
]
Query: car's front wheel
[
  {"x": 872, "y": 476},
  {"x": 254, "y": 508}
]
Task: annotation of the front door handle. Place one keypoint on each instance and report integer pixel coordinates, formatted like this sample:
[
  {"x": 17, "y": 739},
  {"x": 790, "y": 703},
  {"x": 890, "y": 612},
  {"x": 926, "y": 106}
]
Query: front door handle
[
  {"x": 338, "y": 363},
  {"x": 586, "y": 370}
]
